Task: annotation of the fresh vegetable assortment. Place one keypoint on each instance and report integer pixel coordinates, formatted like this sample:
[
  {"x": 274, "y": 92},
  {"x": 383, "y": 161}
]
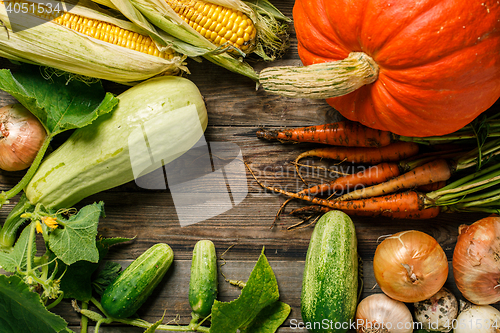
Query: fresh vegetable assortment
[
  {"x": 414, "y": 178},
  {"x": 425, "y": 152}
]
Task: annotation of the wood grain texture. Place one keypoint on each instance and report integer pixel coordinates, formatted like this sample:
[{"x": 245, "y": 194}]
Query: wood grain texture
[{"x": 236, "y": 109}]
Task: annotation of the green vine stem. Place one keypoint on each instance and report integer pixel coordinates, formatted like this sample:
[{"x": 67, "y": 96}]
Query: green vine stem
[
  {"x": 5, "y": 196},
  {"x": 84, "y": 322},
  {"x": 57, "y": 301},
  {"x": 193, "y": 326}
]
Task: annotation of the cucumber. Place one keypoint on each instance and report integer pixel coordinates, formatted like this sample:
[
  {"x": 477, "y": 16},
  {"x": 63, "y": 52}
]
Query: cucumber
[
  {"x": 125, "y": 295},
  {"x": 112, "y": 150},
  {"x": 330, "y": 281},
  {"x": 203, "y": 283}
]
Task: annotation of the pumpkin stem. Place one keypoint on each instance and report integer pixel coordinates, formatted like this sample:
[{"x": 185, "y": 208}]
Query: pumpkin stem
[{"x": 323, "y": 80}]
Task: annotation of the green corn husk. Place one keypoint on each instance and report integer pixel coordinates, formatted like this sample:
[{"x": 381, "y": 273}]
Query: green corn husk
[
  {"x": 156, "y": 16},
  {"x": 50, "y": 44}
]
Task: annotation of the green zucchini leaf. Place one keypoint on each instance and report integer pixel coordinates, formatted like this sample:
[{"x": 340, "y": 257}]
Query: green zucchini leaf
[
  {"x": 60, "y": 102},
  {"x": 22, "y": 310},
  {"x": 18, "y": 257},
  {"x": 79, "y": 278},
  {"x": 76, "y": 283},
  {"x": 269, "y": 319},
  {"x": 105, "y": 276},
  {"x": 76, "y": 240},
  {"x": 246, "y": 312}
]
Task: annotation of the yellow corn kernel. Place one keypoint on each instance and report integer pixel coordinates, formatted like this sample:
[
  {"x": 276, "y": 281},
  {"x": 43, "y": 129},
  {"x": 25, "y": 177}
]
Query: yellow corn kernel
[
  {"x": 103, "y": 31},
  {"x": 222, "y": 26}
]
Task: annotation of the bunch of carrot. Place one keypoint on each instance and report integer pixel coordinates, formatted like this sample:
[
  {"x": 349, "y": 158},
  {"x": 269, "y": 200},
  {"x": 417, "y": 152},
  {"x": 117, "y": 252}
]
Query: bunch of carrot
[{"x": 404, "y": 178}]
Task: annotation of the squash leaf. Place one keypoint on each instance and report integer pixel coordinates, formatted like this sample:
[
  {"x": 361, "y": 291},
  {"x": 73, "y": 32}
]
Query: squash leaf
[
  {"x": 104, "y": 277},
  {"x": 269, "y": 319},
  {"x": 22, "y": 310},
  {"x": 257, "y": 309},
  {"x": 19, "y": 256},
  {"x": 78, "y": 279},
  {"x": 60, "y": 102},
  {"x": 76, "y": 240}
]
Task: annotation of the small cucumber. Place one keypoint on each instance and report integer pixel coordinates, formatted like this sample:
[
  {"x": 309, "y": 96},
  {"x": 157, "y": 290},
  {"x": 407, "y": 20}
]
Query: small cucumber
[
  {"x": 330, "y": 281},
  {"x": 203, "y": 283},
  {"x": 124, "y": 296}
]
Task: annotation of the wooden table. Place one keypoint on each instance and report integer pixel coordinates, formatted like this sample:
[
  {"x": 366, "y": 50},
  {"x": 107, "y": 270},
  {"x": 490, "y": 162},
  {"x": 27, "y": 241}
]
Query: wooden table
[{"x": 236, "y": 110}]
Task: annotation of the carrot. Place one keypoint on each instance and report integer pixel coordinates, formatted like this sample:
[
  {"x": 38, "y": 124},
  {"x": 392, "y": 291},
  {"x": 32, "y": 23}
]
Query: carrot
[
  {"x": 391, "y": 153},
  {"x": 410, "y": 202},
  {"x": 374, "y": 174},
  {"x": 394, "y": 152},
  {"x": 342, "y": 133},
  {"x": 425, "y": 213},
  {"x": 434, "y": 171},
  {"x": 431, "y": 187}
]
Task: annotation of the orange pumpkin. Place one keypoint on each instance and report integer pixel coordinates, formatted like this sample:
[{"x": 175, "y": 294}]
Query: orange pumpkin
[{"x": 438, "y": 60}]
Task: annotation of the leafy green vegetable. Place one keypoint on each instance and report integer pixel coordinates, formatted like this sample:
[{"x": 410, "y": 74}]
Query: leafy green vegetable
[
  {"x": 59, "y": 103},
  {"x": 269, "y": 319},
  {"x": 22, "y": 310},
  {"x": 246, "y": 312},
  {"x": 77, "y": 239},
  {"x": 105, "y": 276},
  {"x": 78, "y": 279},
  {"x": 71, "y": 256}
]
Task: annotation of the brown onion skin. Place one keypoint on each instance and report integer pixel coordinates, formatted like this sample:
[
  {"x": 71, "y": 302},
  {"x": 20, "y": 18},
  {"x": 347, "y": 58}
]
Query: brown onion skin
[
  {"x": 417, "y": 250},
  {"x": 21, "y": 136},
  {"x": 476, "y": 261}
]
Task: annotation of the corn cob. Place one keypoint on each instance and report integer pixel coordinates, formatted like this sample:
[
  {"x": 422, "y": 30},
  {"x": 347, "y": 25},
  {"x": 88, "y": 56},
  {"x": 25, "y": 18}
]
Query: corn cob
[
  {"x": 265, "y": 34},
  {"x": 222, "y": 26},
  {"x": 90, "y": 43},
  {"x": 110, "y": 33}
]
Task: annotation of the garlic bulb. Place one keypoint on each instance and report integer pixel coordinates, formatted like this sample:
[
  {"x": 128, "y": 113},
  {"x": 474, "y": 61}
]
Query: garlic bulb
[
  {"x": 379, "y": 313},
  {"x": 21, "y": 136},
  {"x": 477, "y": 319},
  {"x": 438, "y": 312}
]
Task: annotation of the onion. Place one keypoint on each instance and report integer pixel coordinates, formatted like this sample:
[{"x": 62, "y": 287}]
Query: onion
[
  {"x": 410, "y": 266},
  {"x": 21, "y": 136},
  {"x": 438, "y": 312},
  {"x": 380, "y": 313},
  {"x": 477, "y": 319},
  {"x": 476, "y": 267}
]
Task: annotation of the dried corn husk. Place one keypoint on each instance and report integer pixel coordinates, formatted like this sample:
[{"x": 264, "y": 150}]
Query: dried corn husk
[
  {"x": 49, "y": 44},
  {"x": 272, "y": 26}
]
